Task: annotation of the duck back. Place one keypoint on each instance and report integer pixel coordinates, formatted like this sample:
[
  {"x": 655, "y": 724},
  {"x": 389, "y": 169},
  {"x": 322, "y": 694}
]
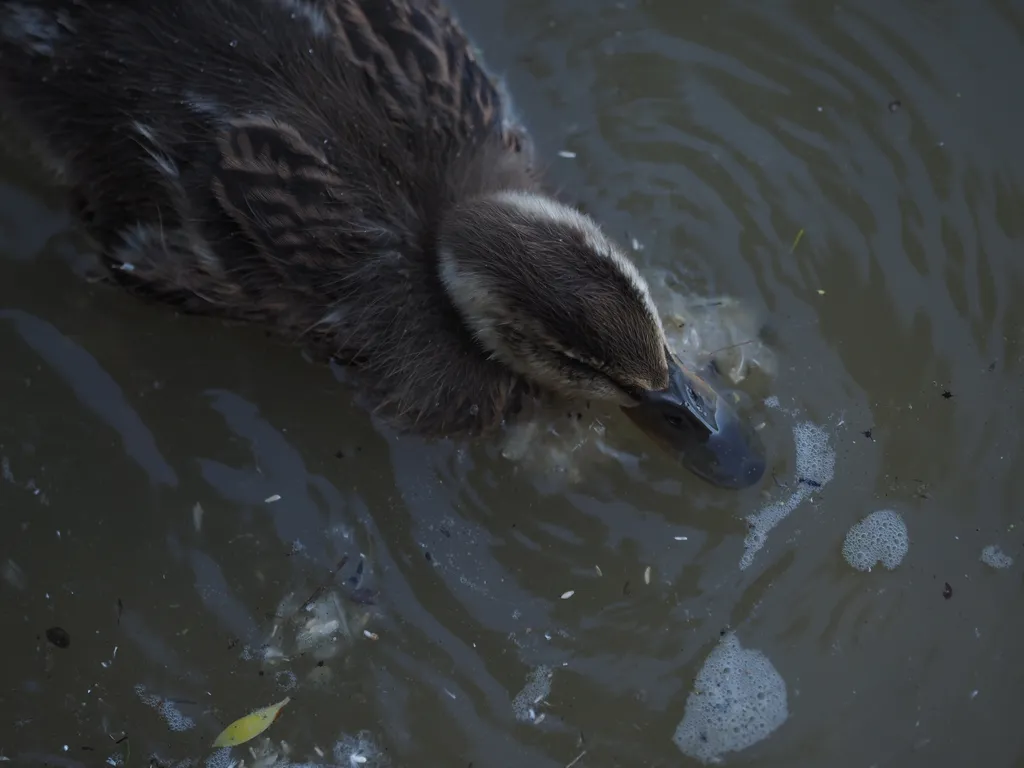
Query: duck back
[{"x": 280, "y": 161}]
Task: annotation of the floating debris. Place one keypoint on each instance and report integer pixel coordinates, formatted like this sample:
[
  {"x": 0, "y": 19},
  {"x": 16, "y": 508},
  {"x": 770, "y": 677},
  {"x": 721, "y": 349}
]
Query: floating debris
[
  {"x": 58, "y": 637},
  {"x": 371, "y": 635},
  {"x": 110, "y": 662},
  {"x": 947, "y": 591},
  {"x": 796, "y": 240},
  {"x": 566, "y": 154},
  {"x": 250, "y": 726},
  {"x": 197, "y": 516},
  {"x": 567, "y": 595},
  {"x": 272, "y": 499},
  {"x": 647, "y": 575}
]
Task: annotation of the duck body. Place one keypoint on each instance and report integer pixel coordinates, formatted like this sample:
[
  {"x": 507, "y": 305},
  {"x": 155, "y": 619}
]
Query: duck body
[
  {"x": 275, "y": 161},
  {"x": 348, "y": 173}
]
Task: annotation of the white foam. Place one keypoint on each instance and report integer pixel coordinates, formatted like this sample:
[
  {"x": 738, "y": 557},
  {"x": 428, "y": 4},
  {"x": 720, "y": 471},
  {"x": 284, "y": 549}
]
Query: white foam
[
  {"x": 995, "y": 557},
  {"x": 881, "y": 536},
  {"x": 537, "y": 688},
  {"x": 815, "y": 468},
  {"x": 221, "y": 758},
  {"x": 738, "y": 699},
  {"x": 359, "y": 751},
  {"x": 176, "y": 721}
]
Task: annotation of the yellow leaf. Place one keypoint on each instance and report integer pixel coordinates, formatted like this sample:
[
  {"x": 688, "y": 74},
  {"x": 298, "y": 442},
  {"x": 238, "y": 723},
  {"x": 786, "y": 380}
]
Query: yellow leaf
[{"x": 250, "y": 726}]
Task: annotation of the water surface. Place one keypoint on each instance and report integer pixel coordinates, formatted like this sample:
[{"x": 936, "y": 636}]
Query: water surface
[{"x": 852, "y": 174}]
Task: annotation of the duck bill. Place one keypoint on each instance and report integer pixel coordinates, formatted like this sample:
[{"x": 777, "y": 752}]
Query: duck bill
[{"x": 695, "y": 420}]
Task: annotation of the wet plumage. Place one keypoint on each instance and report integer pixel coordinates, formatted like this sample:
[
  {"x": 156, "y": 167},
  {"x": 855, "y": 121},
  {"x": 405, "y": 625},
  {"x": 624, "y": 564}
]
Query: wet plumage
[{"x": 346, "y": 172}]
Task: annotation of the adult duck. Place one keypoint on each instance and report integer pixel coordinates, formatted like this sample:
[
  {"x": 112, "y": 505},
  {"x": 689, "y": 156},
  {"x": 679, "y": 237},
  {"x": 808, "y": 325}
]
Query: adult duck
[{"x": 348, "y": 173}]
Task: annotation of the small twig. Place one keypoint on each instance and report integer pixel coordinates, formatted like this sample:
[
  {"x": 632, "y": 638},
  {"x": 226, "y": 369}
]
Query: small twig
[
  {"x": 323, "y": 585},
  {"x": 732, "y": 346},
  {"x": 796, "y": 241},
  {"x": 577, "y": 759}
]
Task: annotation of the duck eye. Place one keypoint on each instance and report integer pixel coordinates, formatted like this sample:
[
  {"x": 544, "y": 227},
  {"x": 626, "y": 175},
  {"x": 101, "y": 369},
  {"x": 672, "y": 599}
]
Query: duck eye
[{"x": 634, "y": 392}]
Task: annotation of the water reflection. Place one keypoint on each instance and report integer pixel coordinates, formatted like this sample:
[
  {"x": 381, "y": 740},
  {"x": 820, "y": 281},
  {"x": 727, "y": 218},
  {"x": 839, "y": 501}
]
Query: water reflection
[{"x": 709, "y": 137}]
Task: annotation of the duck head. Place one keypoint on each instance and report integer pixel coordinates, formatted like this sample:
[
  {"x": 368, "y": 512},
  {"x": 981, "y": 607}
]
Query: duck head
[{"x": 547, "y": 294}]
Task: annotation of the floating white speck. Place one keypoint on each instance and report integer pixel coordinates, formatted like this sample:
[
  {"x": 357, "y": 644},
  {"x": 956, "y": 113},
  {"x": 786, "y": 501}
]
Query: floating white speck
[
  {"x": 567, "y": 595},
  {"x": 197, "y": 516},
  {"x": 682, "y": 538},
  {"x": 272, "y": 499},
  {"x": 567, "y": 154},
  {"x": 371, "y": 635},
  {"x": 647, "y": 575}
]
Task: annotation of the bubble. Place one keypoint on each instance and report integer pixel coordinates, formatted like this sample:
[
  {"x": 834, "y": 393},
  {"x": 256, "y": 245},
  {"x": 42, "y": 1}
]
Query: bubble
[
  {"x": 995, "y": 557},
  {"x": 881, "y": 536},
  {"x": 537, "y": 688},
  {"x": 815, "y": 468},
  {"x": 286, "y": 679},
  {"x": 738, "y": 699}
]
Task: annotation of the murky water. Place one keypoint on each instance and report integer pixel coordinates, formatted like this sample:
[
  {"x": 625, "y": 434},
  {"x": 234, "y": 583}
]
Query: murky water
[{"x": 206, "y": 515}]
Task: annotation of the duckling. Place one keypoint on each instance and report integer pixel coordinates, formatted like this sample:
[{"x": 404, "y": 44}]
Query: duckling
[{"x": 350, "y": 174}]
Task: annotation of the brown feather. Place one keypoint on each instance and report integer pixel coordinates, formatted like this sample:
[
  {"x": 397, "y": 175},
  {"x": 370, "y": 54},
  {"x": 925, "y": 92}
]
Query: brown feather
[{"x": 291, "y": 162}]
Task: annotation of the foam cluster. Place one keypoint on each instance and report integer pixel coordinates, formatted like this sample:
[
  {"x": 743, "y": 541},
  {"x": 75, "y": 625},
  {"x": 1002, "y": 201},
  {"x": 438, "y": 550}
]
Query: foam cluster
[
  {"x": 175, "y": 720},
  {"x": 994, "y": 557},
  {"x": 738, "y": 699},
  {"x": 537, "y": 688},
  {"x": 880, "y": 537},
  {"x": 815, "y": 467}
]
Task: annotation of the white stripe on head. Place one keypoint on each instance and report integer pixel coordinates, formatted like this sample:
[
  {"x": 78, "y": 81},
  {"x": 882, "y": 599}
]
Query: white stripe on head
[{"x": 543, "y": 208}]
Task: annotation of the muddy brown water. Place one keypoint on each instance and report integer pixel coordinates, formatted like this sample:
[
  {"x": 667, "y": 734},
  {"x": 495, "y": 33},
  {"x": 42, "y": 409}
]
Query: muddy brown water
[{"x": 888, "y": 134}]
